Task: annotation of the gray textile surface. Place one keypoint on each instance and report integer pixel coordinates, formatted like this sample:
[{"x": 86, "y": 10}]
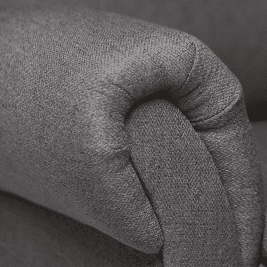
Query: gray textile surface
[
  {"x": 260, "y": 130},
  {"x": 235, "y": 30},
  {"x": 68, "y": 79},
  {"x": 32, "y": 236}
]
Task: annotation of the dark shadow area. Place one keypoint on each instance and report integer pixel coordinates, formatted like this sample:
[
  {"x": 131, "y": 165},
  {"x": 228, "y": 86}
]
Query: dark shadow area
[{"x": 257, "y": 112}]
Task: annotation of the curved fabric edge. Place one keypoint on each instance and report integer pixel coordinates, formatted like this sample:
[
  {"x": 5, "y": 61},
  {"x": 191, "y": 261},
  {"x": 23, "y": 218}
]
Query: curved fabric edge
[{"x": 184, "y": 187}]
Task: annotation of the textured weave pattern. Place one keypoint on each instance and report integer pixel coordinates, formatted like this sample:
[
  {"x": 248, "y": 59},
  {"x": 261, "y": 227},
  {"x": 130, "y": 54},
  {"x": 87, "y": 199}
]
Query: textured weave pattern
[
  {"x": 183, "y": 183},
  {"x": 32, "y": 236},
  {"x": 68, "y": 79}
]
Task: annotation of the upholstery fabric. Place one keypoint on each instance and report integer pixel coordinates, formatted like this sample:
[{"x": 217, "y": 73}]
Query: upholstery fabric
[
  {"x": 34, "y": 236},
  {"x": 234, "y": 30},
  {"x": 260, "y": 130},
  {"x": 71, "y": 79}
]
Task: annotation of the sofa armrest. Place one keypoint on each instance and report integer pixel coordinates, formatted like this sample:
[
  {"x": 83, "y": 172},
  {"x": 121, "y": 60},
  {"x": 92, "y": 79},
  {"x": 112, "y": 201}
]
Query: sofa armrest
[{"x": 70, "y": 78}]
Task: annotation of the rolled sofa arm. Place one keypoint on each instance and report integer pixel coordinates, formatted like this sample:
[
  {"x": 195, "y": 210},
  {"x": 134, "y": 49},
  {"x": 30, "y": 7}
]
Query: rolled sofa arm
[{"x": 71, "y": 79}]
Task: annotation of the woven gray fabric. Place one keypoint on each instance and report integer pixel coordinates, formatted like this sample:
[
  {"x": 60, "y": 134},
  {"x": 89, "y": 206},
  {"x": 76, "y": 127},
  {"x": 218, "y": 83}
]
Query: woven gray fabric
[
  {"x": 235, "y": 30},
  {"x": 32, "y": 236},
  {"x": 69, "y": 78},
  {"x": 183, "y": 183}
]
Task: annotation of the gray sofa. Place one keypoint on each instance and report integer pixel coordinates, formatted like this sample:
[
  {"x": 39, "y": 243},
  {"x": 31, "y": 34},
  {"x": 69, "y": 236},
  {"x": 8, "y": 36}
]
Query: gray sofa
[{"x": 124, "y": 143}]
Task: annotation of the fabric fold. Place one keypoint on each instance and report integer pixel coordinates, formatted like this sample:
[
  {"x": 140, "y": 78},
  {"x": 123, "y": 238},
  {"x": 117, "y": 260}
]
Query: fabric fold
[{"x": 184, "y": 187}]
